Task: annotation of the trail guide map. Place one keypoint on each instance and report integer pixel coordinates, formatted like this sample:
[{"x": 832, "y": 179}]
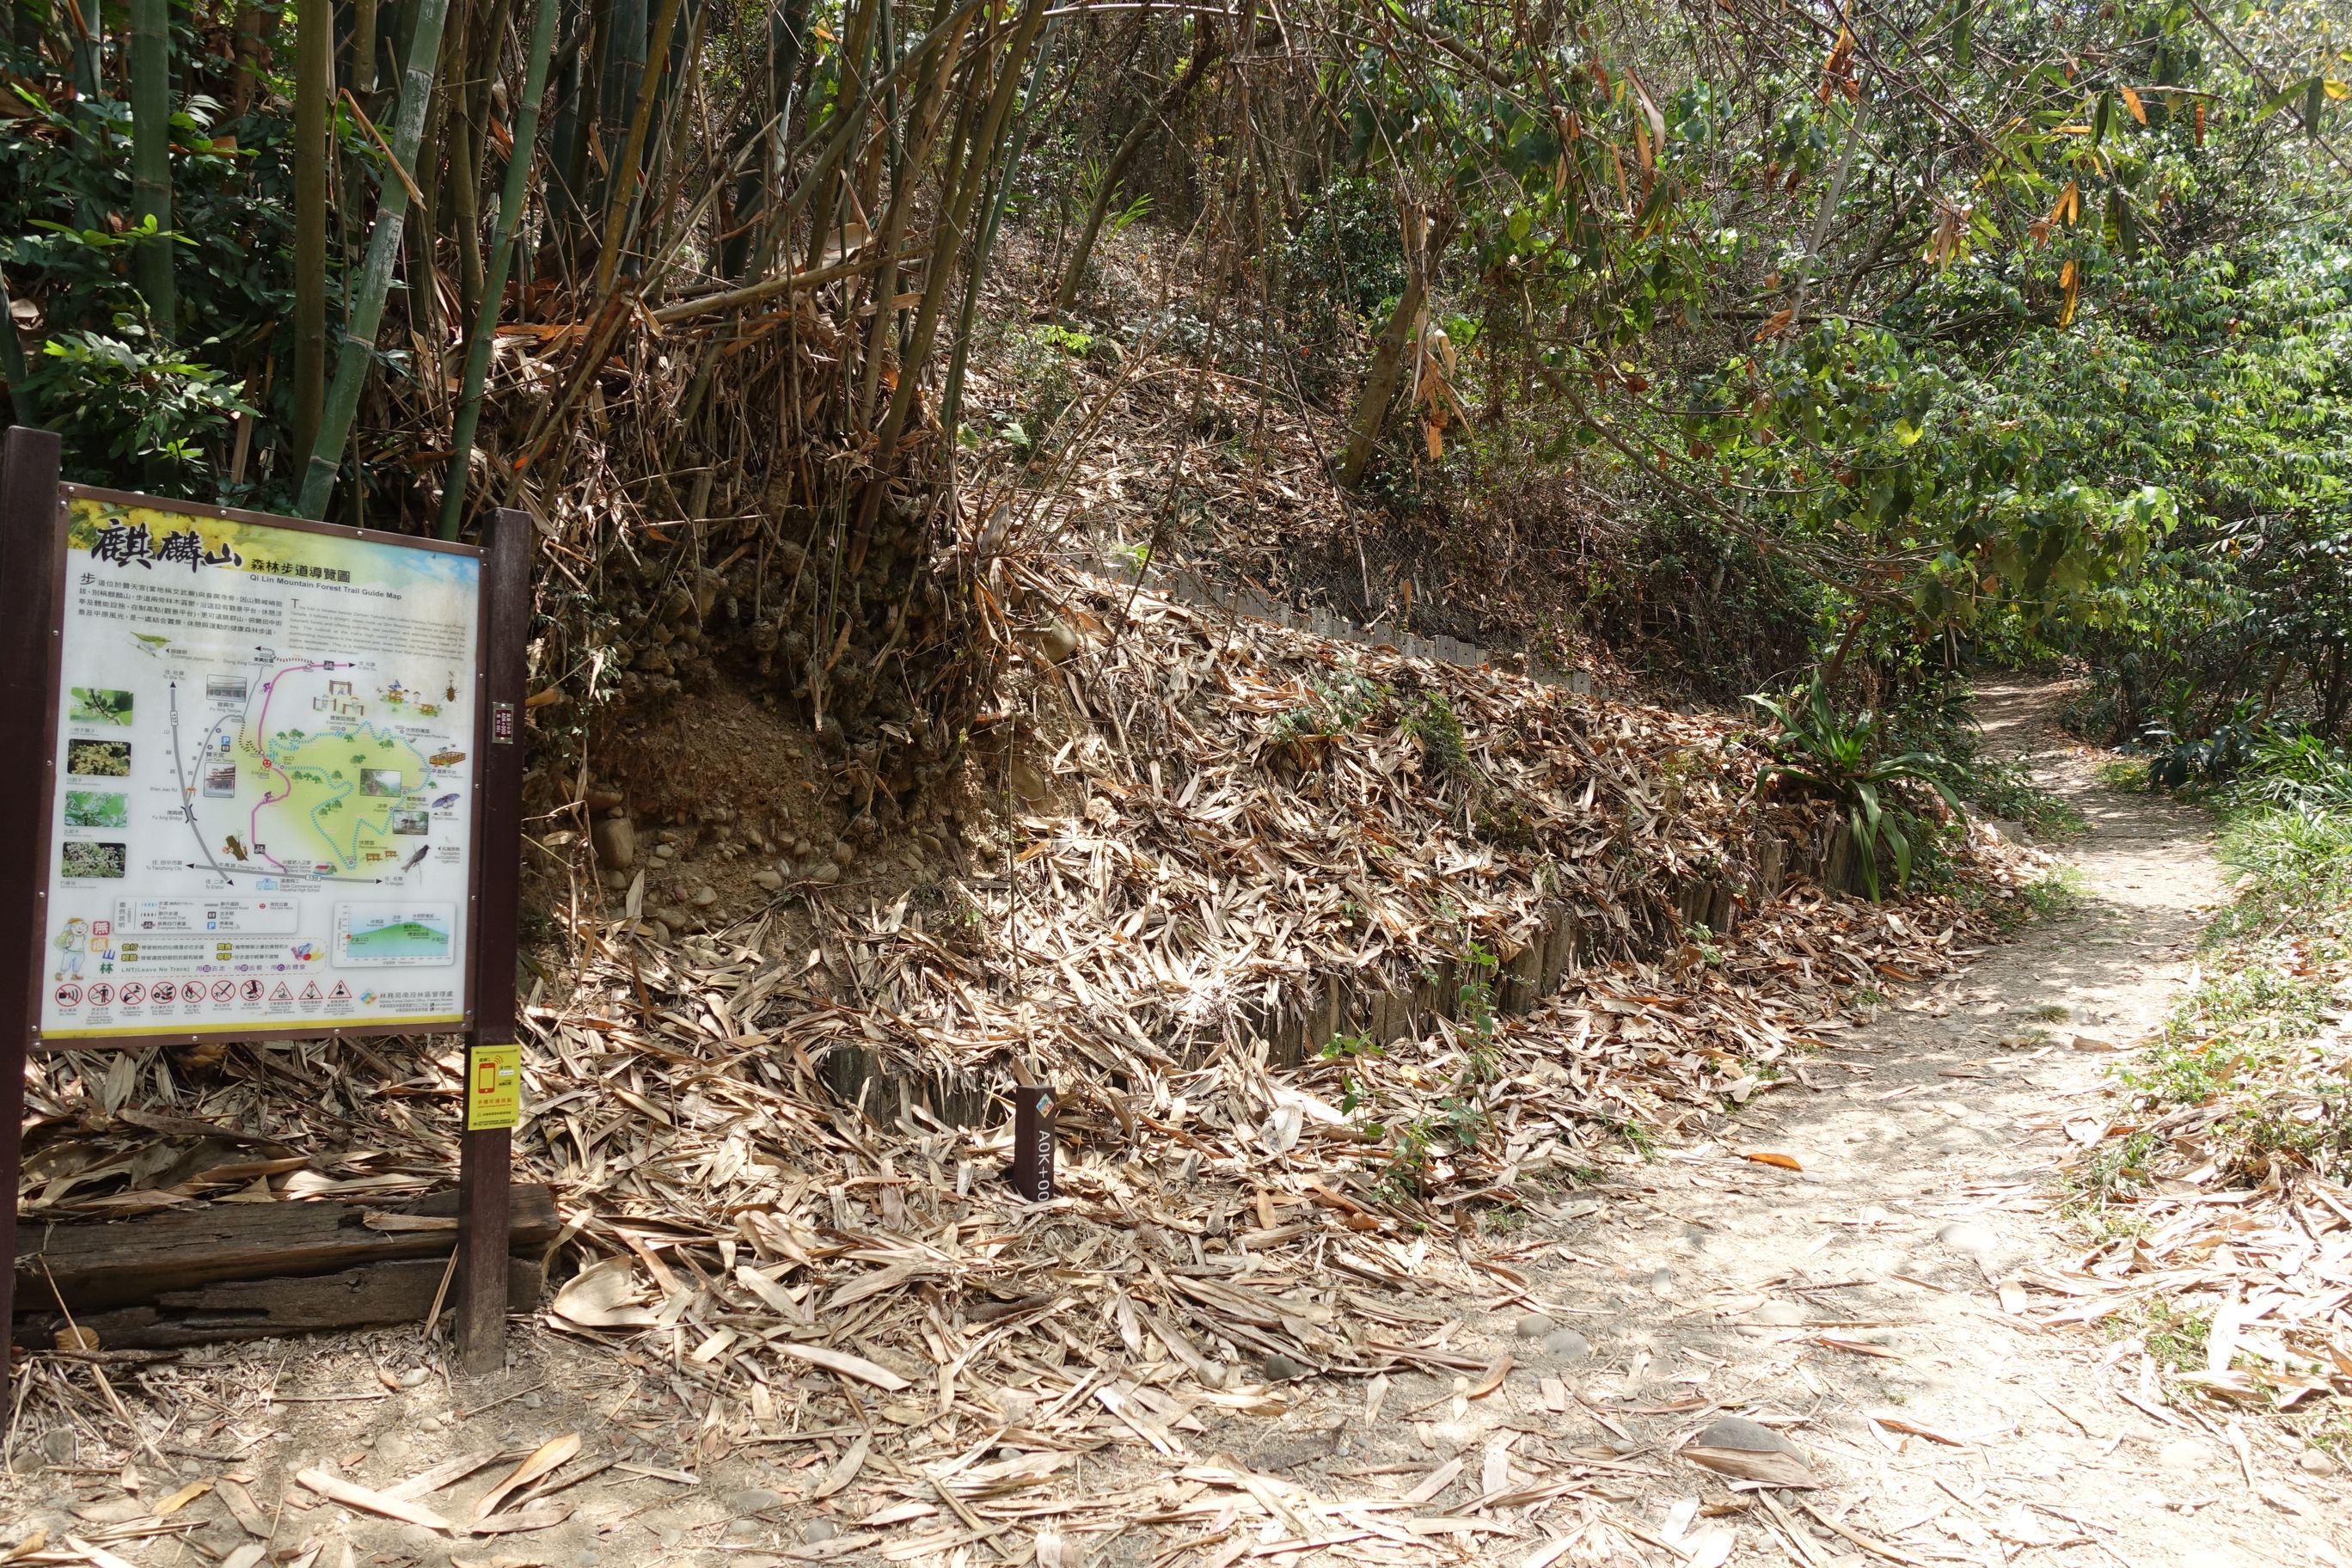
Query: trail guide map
[{"x": 263, "y": 801}]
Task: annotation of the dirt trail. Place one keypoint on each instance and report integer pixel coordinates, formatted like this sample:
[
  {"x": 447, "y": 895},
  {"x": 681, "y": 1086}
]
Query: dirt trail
[{"x": 1870, "y": 1282}]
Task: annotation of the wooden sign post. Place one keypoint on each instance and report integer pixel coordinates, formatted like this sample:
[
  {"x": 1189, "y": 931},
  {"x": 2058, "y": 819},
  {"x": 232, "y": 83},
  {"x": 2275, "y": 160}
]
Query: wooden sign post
[{"x": 268, "y": 786}]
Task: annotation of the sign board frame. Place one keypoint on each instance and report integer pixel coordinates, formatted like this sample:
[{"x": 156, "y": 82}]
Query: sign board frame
[{"x": 33, "y": 567}]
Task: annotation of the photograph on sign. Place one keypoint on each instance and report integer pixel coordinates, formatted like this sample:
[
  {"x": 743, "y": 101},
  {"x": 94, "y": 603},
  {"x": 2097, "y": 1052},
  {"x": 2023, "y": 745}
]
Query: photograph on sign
[{"x": 264, "y": 804}]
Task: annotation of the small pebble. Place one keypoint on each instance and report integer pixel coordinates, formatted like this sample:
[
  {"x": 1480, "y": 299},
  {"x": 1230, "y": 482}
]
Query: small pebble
[
  {"x": 818, "y": 1529},
  {"x": 751, "y": 1499},
  {"x": 1280, "y": 1368},
  {"x": 1779, "y": 1314},
  {"x": 413, "y": 1377},
  {"x": 533, "y": 1400},
  {"x": 1965, "y": 1236},
  {"x": 1567, "y": 1344},
  {"x": 1535, "y": 1326},
  {"x": 2315, "y": 1462},
  {"x": 1662, "y": 1282},
  {"x": 669, "y": 1535},
  {"x": 745, "y": 1529}
]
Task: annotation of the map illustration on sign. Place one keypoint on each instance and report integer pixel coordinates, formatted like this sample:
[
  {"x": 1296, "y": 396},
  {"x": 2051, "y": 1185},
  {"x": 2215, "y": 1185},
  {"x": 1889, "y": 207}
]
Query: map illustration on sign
[
  {"x": 294, "y": 779},
  {"x": 265, "y": 804}
]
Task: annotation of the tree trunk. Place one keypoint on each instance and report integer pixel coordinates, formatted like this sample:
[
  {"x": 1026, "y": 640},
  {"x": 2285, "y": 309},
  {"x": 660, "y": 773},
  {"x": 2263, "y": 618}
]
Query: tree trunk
[
  {"x": 1425, "y": 239},
  {"x": 249, "y": 58},
  {"x": 1206, "y": 52},
  {"x": 314, "y": 88},
  {"x": 150, "y": 153}
]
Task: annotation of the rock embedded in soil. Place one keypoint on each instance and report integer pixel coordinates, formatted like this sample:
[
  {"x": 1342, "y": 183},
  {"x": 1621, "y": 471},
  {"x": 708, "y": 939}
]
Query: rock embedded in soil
[
  {"x": 1535, "y": 1326},
  {"x": 1280, "y": 1368},
  {"x": 1779, "y": 1314},
  {"x": 817, "y": 1531},
  {"x": 752, "y": 1500},
  {"x": 614, "y": 839},
  {"x": 770, "y": 880}
]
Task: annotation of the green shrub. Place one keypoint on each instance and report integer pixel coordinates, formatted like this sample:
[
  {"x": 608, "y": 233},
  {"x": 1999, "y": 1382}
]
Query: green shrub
[{"x": 1846, "y": 759}]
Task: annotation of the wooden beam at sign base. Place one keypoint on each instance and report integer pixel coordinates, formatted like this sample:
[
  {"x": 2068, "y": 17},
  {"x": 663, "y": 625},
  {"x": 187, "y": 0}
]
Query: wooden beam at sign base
[
  {"x": 29, "y": 541},
  {"x": 486, "y": 1153}
]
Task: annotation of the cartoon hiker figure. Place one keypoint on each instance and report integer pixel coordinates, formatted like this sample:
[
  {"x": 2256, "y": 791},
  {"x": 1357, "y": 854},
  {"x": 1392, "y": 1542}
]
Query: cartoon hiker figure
[{"x": 73, "y": 946}]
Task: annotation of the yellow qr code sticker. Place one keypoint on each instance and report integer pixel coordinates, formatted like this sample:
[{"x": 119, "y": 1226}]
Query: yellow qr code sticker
[{"x": 493, "y": 1088}]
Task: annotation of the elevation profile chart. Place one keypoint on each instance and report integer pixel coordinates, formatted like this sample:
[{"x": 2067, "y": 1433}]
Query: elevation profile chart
[{"x": 264, "y": 803}]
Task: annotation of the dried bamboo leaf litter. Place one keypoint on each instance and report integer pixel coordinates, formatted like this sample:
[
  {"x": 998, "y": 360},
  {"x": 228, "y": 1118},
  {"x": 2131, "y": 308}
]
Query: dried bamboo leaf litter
[{"x": 1200, "y": 823}]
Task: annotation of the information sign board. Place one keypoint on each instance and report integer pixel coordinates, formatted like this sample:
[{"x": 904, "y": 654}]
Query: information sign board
[
  {"x": 261, "y": 778},
  {"x": 263, "y": 811}
]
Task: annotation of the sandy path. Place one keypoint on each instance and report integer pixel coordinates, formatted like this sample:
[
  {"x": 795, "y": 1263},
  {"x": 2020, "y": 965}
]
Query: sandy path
[{"x": 1869, "y": 1283}]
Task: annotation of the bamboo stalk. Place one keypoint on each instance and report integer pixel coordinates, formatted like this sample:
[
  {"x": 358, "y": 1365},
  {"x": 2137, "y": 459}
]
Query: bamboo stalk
[
  {"x": 931, "y": 94},
  {"x": 375, "y": 272},
  {"x": 151, "y": 154},
  {"x": 952, "y": 397},
  {"x": 1206, "y": 52},
  {"x": 623, "y": 56},
  {"x": 363, "y": 47},
  {"x": 786, "y": 22},
  {"x": 85, "y": 51},
  {"x": 947, "y": 245},
  {"x": 486, "y": 319},
  {"x": 314, "y": 89},
  {"x": 632, "y": 154}
]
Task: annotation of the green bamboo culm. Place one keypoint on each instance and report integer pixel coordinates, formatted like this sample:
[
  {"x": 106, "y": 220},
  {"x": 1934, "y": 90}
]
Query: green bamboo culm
[
  {"x": 150, "y": 153},
  {"x": 375, "y": 271},
  {"x": 314, "y": 90},
  {"x": 486, "y": 319}
]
